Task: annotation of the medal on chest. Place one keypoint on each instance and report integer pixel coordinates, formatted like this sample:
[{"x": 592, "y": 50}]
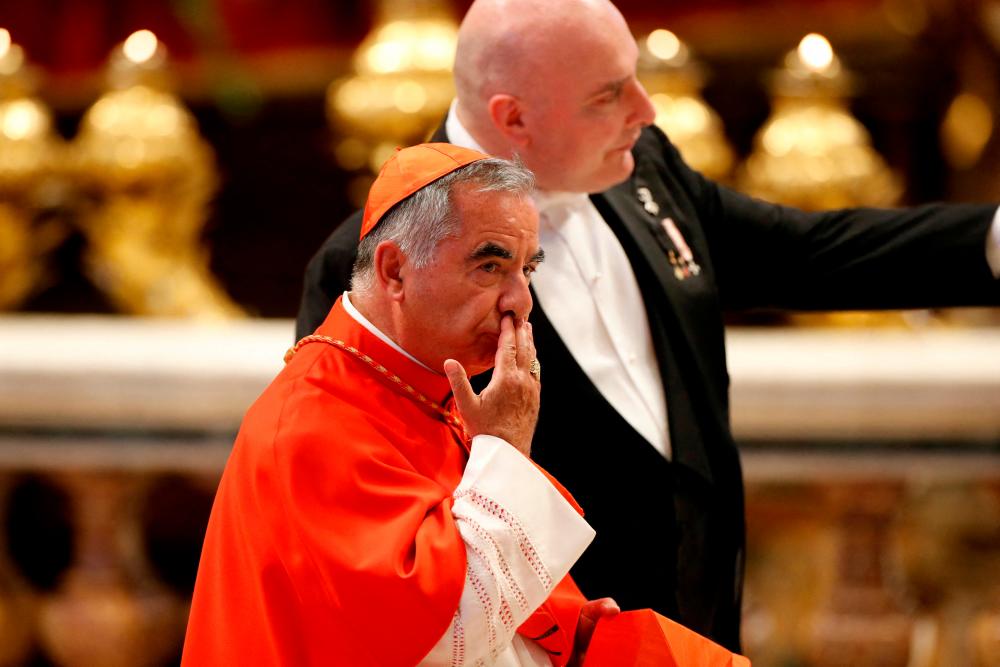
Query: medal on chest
[{"x": 680, "y": 256}]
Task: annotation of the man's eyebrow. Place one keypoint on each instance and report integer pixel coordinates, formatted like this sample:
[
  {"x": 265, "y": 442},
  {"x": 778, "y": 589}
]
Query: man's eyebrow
[
  {"x": 610, "y": 87},
  {"x": 489, "y": 249},
  {"x": 538, "y": 257}
]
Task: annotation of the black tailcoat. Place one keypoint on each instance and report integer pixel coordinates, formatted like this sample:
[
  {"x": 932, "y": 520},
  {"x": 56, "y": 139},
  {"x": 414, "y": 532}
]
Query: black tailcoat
[{"x": 670, "y": 534}]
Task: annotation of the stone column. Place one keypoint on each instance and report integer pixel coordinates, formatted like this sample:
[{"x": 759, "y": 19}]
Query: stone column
[
  {"x": 108, "y": 612},
  {"x": 17, "y": 603},
  {"x": 862, "y": 623},
  {"x": 985, "y": 629}
]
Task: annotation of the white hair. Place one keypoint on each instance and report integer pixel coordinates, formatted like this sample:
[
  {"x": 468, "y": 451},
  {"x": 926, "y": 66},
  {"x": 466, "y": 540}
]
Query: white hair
[{"x": 421, "y": 221}]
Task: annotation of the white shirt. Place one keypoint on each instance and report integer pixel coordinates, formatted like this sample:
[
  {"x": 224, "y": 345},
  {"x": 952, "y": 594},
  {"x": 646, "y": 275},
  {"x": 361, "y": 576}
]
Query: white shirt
[
  {"x": 608, "y": 334},
  {"x": 521, "y": 537}
]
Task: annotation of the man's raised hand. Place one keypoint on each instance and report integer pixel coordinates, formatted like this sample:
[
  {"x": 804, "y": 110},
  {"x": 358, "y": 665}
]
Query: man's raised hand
[{"x": 508, "y": 406}]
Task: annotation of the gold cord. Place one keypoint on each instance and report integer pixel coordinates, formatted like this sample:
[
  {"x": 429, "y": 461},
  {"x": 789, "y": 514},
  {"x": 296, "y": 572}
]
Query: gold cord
[{"x": 408, "y": 390}]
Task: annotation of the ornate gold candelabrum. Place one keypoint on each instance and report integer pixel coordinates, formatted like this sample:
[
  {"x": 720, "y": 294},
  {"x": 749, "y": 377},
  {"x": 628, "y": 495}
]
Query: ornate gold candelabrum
[
  {"x": 813, "y": 154},
  {"x": 674, "y": 83},
  {"x": 150, "y": 176},
  {"x": 399, "y": 90},
  {"x": 29, "y": 150}
]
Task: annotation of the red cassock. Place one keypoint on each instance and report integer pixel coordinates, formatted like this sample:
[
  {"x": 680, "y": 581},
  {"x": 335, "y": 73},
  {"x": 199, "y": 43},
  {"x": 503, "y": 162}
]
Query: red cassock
[
  {"x": 332, "y": 540},
  {"x": 643, "y": 638}
]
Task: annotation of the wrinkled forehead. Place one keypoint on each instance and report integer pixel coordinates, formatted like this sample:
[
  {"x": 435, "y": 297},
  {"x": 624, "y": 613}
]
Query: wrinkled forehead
[{"x": 502, "y": 214}]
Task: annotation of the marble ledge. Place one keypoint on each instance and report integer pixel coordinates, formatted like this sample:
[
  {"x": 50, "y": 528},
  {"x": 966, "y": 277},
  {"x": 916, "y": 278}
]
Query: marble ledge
[{"x": 837, "y": 385}]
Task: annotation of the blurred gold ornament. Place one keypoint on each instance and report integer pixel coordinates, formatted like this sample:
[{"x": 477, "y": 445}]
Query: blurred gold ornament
[
  {"x": 812, "y": 153},
  {"x": 966, "y": 129},
  {"x": 29, "y": 152},
  {"x": 138, "y": 152},
  {"x": 400, "y": 89},
  {"x": 674, "y": 84}
]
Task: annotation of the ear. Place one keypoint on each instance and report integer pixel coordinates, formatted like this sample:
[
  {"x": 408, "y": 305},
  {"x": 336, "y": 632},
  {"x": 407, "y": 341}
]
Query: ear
[
  {"x": 507, "y": 115},
  {"x": 390, "y": 263}
]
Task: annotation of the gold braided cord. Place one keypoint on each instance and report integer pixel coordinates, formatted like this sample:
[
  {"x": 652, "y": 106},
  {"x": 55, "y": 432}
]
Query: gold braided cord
[{"x": 382, "y": 370}]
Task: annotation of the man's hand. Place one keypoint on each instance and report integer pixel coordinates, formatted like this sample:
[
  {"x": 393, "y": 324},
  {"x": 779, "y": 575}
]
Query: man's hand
[
  {"x": 590, "y": 614},
  {"x": 508, "y": 406}
]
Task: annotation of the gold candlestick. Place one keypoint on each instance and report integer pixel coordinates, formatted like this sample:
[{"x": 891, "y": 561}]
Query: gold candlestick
[
  {"x": 151, "y": 176},
  {"x": 674, "y": 83},
  {"x": 29, "y": 151},
  {"x": 812, "y": 153},
  {"x": 400, "y": 89}
]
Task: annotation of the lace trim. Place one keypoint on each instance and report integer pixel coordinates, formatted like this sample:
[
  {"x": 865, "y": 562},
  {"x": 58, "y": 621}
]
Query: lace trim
[
  {"x": 485, "y": 600},
  {"x": 458, "y": 640},
  {"x": 501, "y": 560},
  {"x": 493, "y": 508}
]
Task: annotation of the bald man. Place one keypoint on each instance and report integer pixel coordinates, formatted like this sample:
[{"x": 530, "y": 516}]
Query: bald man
[{"x": 643, "y": 255}]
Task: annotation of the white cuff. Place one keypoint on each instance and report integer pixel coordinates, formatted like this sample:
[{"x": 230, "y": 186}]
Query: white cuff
[
  {"x": 521, "y": 537},
  {"x": 500, "y": 472}
]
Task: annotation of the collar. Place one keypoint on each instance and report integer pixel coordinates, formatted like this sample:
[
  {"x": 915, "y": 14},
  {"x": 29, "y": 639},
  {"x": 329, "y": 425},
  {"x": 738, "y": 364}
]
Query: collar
[
  {"x": 341, "y": 325},
  {"x": 545, "y": 200},
  {"x": 366, "y": 323},
  {"x": 457, "y": 134},
  {"x": 551, "y": 203}
]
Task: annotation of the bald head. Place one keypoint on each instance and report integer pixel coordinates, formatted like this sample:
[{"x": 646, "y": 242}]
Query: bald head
[
  {"x": 553, "y": 82},
  {"x": 513, "y": 46}
]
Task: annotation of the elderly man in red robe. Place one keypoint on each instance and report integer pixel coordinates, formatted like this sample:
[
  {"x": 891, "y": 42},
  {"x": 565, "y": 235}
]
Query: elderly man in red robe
[
  {"x": 375, "y": 510},
  {"x": 364, "y": 518}
]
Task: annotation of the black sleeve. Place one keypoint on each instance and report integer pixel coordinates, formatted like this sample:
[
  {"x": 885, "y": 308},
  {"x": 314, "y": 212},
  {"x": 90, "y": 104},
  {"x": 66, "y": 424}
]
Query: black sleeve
[
  {"x": 328, "y": 275},
  {"x": 770, "y": 256}
]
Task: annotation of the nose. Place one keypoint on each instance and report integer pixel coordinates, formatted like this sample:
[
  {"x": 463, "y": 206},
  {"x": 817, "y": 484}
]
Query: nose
[
  {"x": 515, "y": 298},
  {"x": 642, "y": 111}
]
